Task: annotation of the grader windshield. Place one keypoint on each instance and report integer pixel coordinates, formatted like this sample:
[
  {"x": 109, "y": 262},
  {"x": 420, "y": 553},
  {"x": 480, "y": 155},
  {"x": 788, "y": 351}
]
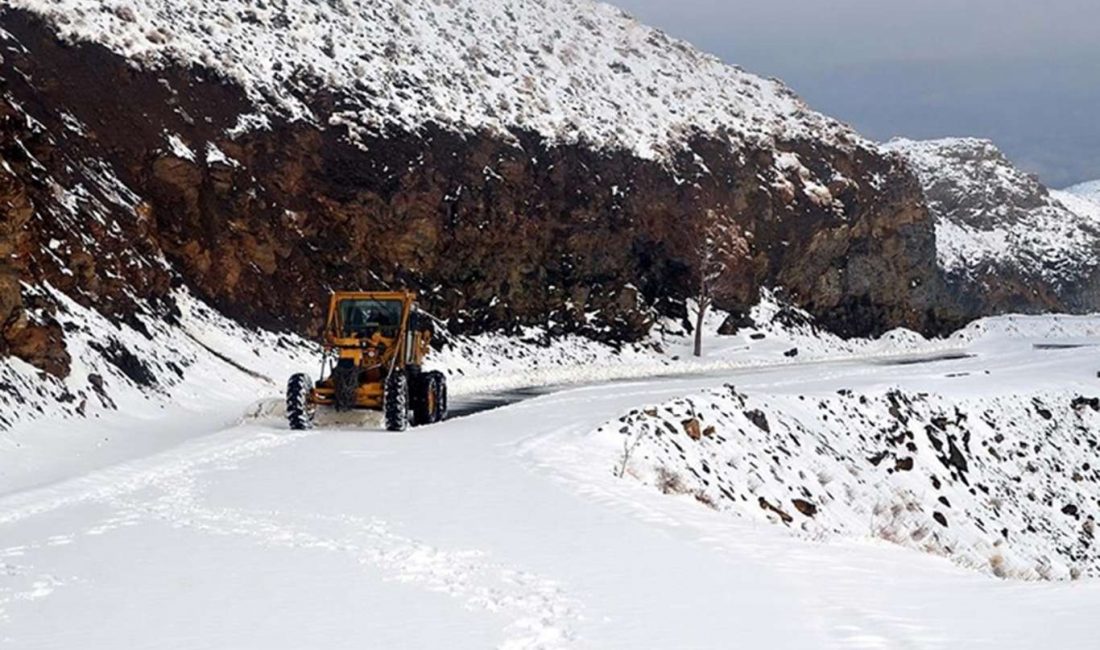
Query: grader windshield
[{"x": 365, "y": 317}]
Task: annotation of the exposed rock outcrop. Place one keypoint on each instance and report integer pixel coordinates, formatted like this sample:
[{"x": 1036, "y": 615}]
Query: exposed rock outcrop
[{"x": 1003, "y": 240}]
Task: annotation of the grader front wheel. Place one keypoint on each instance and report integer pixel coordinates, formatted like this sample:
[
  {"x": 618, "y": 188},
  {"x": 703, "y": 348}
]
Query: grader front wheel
[
  {"x": 395, "y": 402},
  {"x": 299, "y": 412}
]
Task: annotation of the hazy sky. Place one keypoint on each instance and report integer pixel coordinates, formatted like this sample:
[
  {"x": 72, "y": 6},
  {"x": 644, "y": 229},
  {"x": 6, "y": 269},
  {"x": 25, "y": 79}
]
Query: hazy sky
[{"x": 1025, "y": 74}]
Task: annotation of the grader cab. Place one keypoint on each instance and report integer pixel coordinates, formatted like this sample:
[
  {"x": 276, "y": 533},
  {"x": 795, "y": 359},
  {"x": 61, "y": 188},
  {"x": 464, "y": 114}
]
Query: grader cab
[{"x": 374, "y": 348}]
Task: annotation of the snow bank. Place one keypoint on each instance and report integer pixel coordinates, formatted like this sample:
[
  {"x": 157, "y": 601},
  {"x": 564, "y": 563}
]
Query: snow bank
[
  {"x": 570, "y": 70},
  {"x": 962, "y": 464},
  {"x": 774, "y": 334},
  {"x": 134, "y": 390}
]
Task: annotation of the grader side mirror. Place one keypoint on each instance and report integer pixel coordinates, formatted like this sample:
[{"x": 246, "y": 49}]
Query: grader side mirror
[{"x": 419, "y": 322}]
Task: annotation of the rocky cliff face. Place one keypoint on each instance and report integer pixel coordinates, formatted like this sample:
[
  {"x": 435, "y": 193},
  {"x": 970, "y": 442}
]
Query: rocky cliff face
[
  {"x": 1004, "y": 241},
  {"x": 126, "y": 173}
]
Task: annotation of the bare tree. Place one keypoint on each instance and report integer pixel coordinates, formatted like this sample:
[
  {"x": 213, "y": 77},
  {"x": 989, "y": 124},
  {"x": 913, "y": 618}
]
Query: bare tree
[
  {"x": 720, "y": 248},
  {"x": 629, "y": 445}
]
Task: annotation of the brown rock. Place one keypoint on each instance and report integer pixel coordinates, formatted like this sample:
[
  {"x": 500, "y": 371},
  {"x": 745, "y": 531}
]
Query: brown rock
[
  {"x": 764, "y": 504},
  {"x": 691, "y": 428},
  {"x": 805, "y": 507}
]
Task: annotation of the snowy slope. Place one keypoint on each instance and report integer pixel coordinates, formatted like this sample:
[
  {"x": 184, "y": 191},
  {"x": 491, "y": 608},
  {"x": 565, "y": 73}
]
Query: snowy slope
[
  {"x": 989, "y": 464},
  {"x": 132, "y": 391},
  {"x": 989, "y": 212},
  {"x": 570, "y": 70},
  {"x": 1083, "y": 203},
  {"x": 1089, "y": 190}
]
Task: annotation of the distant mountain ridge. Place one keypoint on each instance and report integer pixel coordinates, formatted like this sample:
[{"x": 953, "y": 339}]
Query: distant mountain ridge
[
  {"x": 1089, "y": 190},
  {"x": 1000, "y": 232}
]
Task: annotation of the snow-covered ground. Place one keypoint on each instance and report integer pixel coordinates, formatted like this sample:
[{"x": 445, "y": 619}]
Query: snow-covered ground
[
  {"x": 990, "y": 461},
  {"x": 511, "y": 529}
]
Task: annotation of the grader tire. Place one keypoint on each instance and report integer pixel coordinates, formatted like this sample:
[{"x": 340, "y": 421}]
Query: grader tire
[
  {"x": 298, "y": 411},
  {"x": 395, "y": 402},
  {"x": 439, "y": 385},
  {"x": 423, "y": 400}
]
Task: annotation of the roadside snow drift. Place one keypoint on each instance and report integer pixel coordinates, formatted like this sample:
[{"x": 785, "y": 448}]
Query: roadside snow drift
[
  {"x": 1008, "y": 485},
  {"x": 968, "y": 465}
]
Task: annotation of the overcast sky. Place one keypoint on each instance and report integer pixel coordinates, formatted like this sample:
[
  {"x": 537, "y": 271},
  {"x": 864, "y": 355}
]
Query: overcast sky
[{"x": 1024, "y": 73}]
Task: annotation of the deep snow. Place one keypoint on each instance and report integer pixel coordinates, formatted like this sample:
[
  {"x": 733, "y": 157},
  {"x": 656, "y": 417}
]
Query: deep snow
[{"x": 510, "y": 529}]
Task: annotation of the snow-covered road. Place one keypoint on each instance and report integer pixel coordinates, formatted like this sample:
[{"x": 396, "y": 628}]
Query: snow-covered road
[{"x": 491, "y": 530}]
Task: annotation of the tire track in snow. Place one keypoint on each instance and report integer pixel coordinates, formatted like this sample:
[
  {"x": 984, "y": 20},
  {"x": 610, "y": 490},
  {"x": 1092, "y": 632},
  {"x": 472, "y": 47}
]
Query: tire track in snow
[
  {"x": 107, "y": 484},
  {"x": 541, "y": 613},
  {"x": 566, "y": 457}
]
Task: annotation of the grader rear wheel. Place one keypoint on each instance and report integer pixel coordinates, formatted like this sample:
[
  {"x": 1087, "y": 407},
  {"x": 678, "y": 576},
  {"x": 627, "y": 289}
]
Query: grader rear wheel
[
  {"x": 439, "y": 389},
  {"x": 422, "y": 399}
]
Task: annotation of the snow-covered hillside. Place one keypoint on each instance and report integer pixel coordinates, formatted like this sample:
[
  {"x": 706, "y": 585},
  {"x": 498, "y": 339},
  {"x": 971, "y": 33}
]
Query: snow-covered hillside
[
  {"x": 1089, "y": 190},
  {"x": 990, "y": 464},
  {"x": 990, "y": 213},
  {"x": 1078, "y": 204},
  {"x": 570, "y": 70}
]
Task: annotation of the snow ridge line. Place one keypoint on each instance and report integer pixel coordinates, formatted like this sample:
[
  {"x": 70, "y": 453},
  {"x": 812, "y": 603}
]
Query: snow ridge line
[{"x": 573, "y": 71}]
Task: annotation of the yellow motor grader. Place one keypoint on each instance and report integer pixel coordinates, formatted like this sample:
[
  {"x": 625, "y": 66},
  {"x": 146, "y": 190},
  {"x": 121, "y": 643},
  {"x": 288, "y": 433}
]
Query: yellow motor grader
[{"x": 374, "y": 347}]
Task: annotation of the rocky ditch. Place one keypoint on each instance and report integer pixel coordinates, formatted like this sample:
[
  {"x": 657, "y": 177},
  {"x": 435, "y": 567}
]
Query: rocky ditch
[{"x": 1007, "y": 484}]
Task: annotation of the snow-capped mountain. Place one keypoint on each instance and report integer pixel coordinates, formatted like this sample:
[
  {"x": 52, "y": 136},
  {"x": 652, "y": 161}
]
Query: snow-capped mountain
[{"x": 1000, "y": 230}]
